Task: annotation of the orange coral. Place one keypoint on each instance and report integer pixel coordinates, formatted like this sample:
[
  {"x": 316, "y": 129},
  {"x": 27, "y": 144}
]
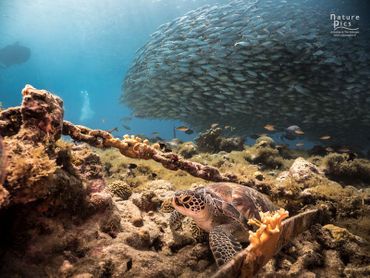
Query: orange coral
[{"x": 264, "y": 241}]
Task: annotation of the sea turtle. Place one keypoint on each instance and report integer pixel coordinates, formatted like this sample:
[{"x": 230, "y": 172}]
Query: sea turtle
[{"x": 222, "y": 210}]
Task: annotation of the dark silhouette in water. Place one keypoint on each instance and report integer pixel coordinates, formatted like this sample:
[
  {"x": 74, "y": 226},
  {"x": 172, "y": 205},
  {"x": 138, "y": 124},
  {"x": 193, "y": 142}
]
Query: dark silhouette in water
[{"x": 14, "y": 54}]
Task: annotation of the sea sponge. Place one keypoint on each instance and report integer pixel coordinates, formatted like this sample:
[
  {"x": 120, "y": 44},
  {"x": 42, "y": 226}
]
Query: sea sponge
[
  {"x": 28, "y": 171},
  {"x": 264, "y": 141},
  {"x": 212, "y": 141},
  {"x": 188, "y": 149},
  {"x": 265, "y": 155}
]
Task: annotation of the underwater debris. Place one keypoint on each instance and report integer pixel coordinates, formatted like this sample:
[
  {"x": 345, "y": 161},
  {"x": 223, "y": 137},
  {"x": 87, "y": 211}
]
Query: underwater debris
[
  {"x": 272, "y": 234},
  {"x": 135, "y": 147},
  {"x": 212, "y": 141}
]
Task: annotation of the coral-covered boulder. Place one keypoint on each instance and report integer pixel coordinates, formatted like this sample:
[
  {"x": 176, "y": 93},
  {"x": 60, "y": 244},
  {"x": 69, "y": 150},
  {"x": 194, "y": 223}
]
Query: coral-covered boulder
[{"x": 301, "y": 170}]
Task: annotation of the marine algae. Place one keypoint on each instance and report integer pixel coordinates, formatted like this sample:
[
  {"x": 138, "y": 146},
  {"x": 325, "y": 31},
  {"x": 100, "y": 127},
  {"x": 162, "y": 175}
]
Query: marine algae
[{"x": 341, "y": 167}]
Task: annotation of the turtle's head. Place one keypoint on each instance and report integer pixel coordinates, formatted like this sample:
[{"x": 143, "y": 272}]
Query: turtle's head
[{"x": 189, "y": 203}]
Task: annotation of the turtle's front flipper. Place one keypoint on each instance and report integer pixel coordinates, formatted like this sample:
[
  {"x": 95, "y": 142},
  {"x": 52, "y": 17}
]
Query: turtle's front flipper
[
  {"x": 176, "y": 220},
  {"x": 223, "y": 244},
  {"x": 198, "y": 234}
]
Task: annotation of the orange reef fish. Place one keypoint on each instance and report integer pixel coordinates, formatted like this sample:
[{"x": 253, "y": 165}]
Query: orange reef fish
[
  {"x": 344, "y": 150},
  {"x": 182, "y": 128},
  {"x": 269, "y": 127},
  {"x": 185, "y": 129},
  {"x": 299, "y": 132}
]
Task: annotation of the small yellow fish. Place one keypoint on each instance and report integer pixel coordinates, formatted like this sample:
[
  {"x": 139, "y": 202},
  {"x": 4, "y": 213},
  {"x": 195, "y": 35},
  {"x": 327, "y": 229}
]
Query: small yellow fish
[
  {"x": 329, "y": 149},
  {"x": 325, "y": 137},
  {"x": 299, "y": 132},
  {"x": 182, "y": 128},
  {"x": 279, "y": 147},
  {"x": 269, "y": 127},
  {"x": 300, "y": 144},
  {"x": 344, "y": 150},
  {"x": 155, "y": 133}
]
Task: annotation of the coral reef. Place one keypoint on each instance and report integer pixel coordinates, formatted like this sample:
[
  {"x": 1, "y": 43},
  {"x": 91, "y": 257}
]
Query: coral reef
[
  {"x": 342, "y": 167},
  {"x": 187, "y": 149},
  {"x": 135, "y": 147},
  {"x": 29, "y": 152},
  {"x": 212, "y": 141},
  {"x": 265, "y": 153},
  {"x": 121, "y": 189},
  {"x": 71, "y": 210}
]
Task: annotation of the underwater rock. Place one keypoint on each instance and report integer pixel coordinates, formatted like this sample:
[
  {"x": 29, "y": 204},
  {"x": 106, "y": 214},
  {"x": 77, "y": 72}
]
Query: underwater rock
[
  {"x": 258, "y": 175},
  {"x": 263, "y": 152},
  {"x": 340, "y": 166},
  {"x": 30, "y": 152},
  {"x": 146, "y": 201},
  {"x": 140, "y": 240},
  {"x": 155, "y": 193},
  {"x": 301, "y": 170},
  {"x": 74, "y": 228},
  {"x": 233, "y": 64},
  {"x": 187, "y": 149},
  {"x": 264, "y": 141},
  {"x": 309, "y": 255},
  {"x": 161, "y": 188},
  {"x": 212, "y": 141}
]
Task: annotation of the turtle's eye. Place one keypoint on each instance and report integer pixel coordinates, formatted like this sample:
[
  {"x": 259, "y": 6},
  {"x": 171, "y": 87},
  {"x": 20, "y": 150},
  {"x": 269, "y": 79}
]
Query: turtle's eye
[{"x": 186, "y": 199}]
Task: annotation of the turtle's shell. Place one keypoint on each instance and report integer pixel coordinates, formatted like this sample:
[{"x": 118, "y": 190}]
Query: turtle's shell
[{"x": 237, "y": 201}]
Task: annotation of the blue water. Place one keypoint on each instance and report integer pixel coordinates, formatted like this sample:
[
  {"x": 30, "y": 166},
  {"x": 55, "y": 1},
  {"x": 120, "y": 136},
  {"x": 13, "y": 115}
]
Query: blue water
[
  {"x": 85, "y": 45},
  {"x": 81, "y": 51}
]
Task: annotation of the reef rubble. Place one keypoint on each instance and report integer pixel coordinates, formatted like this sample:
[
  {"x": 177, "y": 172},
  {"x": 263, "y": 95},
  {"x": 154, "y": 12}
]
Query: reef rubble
[{"x": 72, "y": 209}]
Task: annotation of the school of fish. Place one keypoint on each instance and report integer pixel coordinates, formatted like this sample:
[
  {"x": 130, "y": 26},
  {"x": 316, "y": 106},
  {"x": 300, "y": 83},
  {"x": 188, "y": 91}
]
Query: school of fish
[{"x": 253, "y": 62}]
